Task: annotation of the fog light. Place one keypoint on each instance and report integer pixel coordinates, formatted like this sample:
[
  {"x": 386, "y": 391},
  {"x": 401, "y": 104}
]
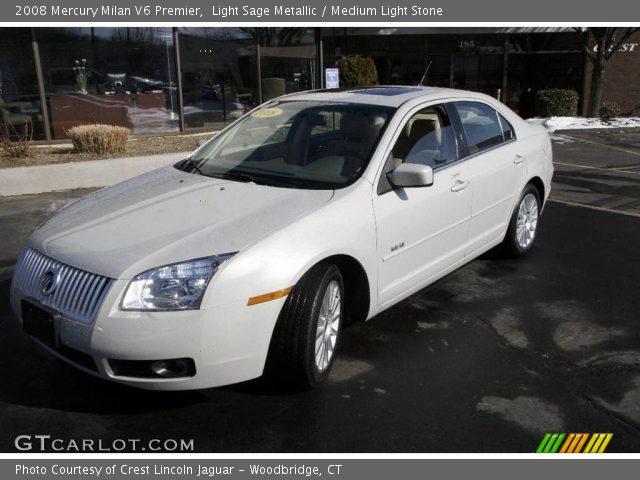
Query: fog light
[
  {"x": 171, "y": 368},
  {"x": 168, "y": 368}
]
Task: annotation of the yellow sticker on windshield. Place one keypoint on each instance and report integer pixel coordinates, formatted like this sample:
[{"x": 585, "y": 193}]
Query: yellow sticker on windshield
[{"x": 267, "y": 113}]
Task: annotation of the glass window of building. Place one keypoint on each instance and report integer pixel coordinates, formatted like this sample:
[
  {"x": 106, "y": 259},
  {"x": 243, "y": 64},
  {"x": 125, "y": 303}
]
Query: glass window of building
[
  {"x": 287, "y": 60},
  {"x": 529, "y": 73},
  {"x": 118, "y": 76},
  {"x": 219, "y": 75},
  {"x": 20, "y": 111}
]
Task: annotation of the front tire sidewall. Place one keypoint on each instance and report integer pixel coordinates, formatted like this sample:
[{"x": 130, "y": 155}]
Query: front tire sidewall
[{"x": 315, "y": 375}]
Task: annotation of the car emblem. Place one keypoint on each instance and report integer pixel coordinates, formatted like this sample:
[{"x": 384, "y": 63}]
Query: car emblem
[{"x": 49, "y": 282}]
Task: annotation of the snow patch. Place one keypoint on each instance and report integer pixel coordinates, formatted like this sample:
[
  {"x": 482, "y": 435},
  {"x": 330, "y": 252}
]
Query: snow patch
[
  {"x": 531, "y": 413},
  {"x": 430, "y": 326},
  {"x": 507, "y": 325},
  {"x": 577, "y": 123}
]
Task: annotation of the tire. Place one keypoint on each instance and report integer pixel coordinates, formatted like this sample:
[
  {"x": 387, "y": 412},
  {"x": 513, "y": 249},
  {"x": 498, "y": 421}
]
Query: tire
[
  {"x": 293, "y": 357},
  {"x": 523, "y": 226}
]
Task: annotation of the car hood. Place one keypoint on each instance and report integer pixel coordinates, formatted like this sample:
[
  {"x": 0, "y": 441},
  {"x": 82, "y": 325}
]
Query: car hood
[{"x": 167, "y": 216}]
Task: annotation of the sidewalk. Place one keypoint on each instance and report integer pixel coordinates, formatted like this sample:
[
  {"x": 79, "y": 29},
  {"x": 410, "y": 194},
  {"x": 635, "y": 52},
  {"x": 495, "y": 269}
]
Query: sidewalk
[{"x": 89, "y": 174}]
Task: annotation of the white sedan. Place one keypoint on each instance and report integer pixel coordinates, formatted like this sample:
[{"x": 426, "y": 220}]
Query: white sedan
[{"x": 311, "y": 211}]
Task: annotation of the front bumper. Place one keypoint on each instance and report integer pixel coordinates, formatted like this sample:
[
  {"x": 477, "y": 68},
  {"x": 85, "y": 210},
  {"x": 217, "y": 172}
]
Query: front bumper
[{"x": 228, "y": 343}]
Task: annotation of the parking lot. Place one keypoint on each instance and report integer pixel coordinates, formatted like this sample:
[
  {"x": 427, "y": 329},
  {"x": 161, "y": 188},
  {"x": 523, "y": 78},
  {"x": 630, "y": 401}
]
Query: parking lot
[{"x": 486, "y": 360}]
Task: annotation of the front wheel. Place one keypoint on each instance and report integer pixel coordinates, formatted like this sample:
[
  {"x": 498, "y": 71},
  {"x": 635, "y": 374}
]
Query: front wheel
[
  {"x": 308, "y": 329},
  {"x": 523, "y": 226}
]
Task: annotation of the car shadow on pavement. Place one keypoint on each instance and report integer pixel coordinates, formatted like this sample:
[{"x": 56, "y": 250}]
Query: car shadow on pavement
[{"x": 34, "y": 378}]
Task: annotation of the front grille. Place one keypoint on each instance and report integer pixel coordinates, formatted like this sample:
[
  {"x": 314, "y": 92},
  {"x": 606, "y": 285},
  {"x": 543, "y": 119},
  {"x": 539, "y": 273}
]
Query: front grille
[{"x": 77, "y": 295}]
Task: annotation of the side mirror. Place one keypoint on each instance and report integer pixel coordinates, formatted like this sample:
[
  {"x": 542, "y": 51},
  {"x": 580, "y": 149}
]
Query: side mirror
[{"x": 409, "y": 175}]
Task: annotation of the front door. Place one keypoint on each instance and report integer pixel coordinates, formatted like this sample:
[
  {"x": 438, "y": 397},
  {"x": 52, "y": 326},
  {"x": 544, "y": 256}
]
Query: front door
[{"x": 421, "y": 231}]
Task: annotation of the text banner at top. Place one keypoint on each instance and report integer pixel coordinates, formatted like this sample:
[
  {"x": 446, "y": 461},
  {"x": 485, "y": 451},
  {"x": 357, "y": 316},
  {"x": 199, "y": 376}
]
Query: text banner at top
[{"x": 319, "y": 12}]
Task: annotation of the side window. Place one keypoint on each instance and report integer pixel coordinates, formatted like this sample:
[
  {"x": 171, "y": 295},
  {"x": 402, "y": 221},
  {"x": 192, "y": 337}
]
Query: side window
[
  {"x": 481, "y": 126},
  {"x": 507, "y": 129},
  {"x": 427, "y": 138}
]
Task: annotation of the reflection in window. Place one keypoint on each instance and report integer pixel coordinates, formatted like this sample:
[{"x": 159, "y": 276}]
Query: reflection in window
[
  {"x": 427, "y": 138},
  {"x": 298, "y": 143},
  {"x": 481, "y": 127},
  {"x": 218, "y": 75},
  {"x": 118, "y": 76},
  {"x": 20, "y": 111},
  {"x": 287, "y": 60}
]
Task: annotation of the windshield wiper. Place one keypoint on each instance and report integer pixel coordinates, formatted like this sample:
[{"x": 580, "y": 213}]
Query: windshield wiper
[
  {"x": 240, "y": 177},
  {"x": 191, "y": 161}
]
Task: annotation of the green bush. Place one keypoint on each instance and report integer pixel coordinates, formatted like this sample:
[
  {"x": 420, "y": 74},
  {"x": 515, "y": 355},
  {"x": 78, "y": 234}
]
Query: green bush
[
  {"x": 99, "y": 139},
  {"x": 356, "y": 71},
  {"x": 557, "y": 103},
  {"x": 609, "y": 110}
]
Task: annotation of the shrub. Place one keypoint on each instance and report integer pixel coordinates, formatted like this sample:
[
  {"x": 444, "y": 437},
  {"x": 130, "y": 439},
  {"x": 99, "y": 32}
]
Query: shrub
[
  {"x": 609, "y": 110},
  {"x": 99, "y": 139},
  {"x": 356, "y": 71},
  {"x": 557, "y": 103},
  {"x": 17, "y": 144}
]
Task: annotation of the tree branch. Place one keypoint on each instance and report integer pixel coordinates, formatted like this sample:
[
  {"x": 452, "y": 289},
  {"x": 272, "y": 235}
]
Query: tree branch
[{"x": 613, "y": 49}]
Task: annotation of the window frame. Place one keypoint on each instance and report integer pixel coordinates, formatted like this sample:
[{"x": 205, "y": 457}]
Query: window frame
[{"x": 513, "y": 130}]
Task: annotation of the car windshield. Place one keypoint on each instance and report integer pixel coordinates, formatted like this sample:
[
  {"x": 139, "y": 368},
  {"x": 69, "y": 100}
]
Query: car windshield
[{"x": 295, "y": 144}]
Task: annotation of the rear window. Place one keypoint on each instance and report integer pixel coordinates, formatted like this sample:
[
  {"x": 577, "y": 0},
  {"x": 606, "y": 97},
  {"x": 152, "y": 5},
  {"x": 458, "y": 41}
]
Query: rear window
[{"x": 482, "y": 129}]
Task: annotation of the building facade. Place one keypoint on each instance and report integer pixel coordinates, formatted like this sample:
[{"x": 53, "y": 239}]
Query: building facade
[{"x": 157, "y": 80}]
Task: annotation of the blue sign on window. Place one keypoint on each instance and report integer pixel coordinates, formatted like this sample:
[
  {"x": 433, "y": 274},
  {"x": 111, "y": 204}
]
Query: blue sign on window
[{"x": 331, "y": 78}]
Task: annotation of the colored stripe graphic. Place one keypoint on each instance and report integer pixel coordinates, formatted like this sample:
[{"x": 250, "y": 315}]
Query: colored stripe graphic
[
  {"x": 568, "y": 442},
  {"x": 556, "y": 446},
  {"x": 543, "y": 443},
  {"x": 581, "y": 443},
  {"x": 574, "y": 442},
  {"x": 606, "y": 441}
]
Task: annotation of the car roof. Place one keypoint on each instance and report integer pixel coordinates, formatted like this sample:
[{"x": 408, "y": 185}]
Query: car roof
[{"x": 390, "y": 95}]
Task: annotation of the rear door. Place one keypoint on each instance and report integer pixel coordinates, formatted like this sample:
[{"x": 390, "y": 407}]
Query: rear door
[{"x": 495, "y": 167}]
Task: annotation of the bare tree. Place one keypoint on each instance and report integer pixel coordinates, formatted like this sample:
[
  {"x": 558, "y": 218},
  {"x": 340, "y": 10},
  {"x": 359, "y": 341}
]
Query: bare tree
[{"x": 608, "y": 41}]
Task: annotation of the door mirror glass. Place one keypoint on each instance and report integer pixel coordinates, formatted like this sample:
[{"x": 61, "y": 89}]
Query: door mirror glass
[{"x": 411, "y": 175}]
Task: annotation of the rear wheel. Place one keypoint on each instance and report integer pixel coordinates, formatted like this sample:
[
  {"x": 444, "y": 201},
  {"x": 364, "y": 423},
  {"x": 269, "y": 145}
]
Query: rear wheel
[
  {"x": 308, "y": 330},
  {"x": 523, "y": 226}
]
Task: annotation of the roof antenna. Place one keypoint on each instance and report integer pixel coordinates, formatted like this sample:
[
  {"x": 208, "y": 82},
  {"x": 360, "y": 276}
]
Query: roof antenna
[{"x": 424, "y": 77}]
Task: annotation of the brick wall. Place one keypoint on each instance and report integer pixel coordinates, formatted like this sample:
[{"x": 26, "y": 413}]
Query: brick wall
[{"x": 622, "y": 78}]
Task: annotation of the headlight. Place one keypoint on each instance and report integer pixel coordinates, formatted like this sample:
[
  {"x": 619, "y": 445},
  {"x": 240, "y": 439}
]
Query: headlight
[{"x": 179, "y": 286}]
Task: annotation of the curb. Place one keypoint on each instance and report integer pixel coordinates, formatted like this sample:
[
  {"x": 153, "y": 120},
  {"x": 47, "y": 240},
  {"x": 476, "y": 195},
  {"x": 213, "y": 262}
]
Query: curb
[{"x": 88, "y": 174}]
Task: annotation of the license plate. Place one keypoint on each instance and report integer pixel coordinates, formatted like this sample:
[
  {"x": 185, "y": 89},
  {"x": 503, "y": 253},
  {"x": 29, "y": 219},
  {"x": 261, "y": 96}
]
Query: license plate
[{"x": 39, "y": 323}]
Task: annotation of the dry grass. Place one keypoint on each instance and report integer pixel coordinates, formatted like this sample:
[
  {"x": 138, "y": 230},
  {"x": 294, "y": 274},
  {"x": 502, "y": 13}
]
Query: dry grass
[
  {"x": 16, "y": 144},
  {"x": 140, "y": 146},
  {"x": 99, "y": 139}
]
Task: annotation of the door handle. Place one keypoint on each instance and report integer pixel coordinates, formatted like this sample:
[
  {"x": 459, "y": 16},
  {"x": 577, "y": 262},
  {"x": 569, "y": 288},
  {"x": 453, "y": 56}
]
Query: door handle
[
  {"x": 459, "y": 185},
  {"x": 518, "y": 159}
]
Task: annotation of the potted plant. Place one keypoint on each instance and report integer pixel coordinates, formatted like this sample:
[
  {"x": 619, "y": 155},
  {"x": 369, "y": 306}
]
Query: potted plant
[{"x": 80, "y": 71}]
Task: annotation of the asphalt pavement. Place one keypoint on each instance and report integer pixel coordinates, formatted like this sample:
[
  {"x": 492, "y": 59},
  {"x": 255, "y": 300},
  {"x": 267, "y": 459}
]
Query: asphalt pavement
[{"x": 486, "y": 360}]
